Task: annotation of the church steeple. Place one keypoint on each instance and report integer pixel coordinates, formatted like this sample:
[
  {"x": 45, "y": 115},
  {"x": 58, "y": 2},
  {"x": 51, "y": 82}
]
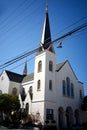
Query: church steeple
[
  {"x": 46, "y": 34},
  {"x": 25, "y": 69}
]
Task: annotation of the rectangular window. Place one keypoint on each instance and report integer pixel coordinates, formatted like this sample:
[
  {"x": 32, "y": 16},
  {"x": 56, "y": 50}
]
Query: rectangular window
[
  {"x": 64, "y": 87},
  {"x": 49, "y": 114},
  {"x": 50, "y": 84},
  {"x": 72, "y": 90}
]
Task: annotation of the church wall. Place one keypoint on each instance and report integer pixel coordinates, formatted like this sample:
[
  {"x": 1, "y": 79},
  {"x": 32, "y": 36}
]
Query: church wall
[
  {"x": 27, "y": 85},
  {"x": 28, "y": 100},
  {"x": 38, "y": 107},
  {"x": 66, "y": 100},
  {"x": 13, "y": 85},
  {"x": 4, "y": 82},
  {"x": 39, "y": 94},
  {"x": 52, "y": 106},
  {"x": 50, "y": 95}
]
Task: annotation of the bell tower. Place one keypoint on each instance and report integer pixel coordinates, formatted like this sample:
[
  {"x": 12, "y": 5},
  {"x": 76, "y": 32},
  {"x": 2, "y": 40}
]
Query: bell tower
[{"x": 44, "y": 74}]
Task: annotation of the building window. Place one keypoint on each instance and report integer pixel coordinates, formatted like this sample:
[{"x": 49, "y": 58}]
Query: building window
[
  {"x": 14, "y": 91},
  {"x": 38, "y": 85},
  {"x": 80, "y": 94},
  {"x": 27, "y": 107},
  {"x": 72, "y": 90},
  {"x": 31, "y": 92},
  {"x": 40, "y": 66},
  {"x": 50, "y": 84},
  {"x": 64, "y": 87},
  {"x": 2, "y": 78},
  {"x": 30, "y": 89},
  {"x": 49, "y": 114},
  {"x": 23, "y": 94},
  {"x": 68, "y": 86},
  {"x": 50, "y": 66}
]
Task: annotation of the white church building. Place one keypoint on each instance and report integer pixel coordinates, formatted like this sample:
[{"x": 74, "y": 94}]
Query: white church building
[{"x": 52, "y": 93}]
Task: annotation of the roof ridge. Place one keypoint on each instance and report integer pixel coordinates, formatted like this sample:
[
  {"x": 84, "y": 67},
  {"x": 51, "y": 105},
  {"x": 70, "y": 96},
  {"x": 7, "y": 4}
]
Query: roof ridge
[
  {"x": 60, "y": 65},
  {"x": 15, "y": 77},
  {"x": 13, "y": 72}
]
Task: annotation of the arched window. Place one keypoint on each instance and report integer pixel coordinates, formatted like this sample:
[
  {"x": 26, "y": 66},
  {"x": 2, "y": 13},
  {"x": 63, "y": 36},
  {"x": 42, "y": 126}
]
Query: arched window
[
  {"x": 68, "y": 86},
  {"x": 31, "y": 92},
  {"x": 27, "y": 107},
  {"x": 14, "y": 91},
  {"x": 72, "y": 90},
  {"x": 50, "y": 84},
  {"x": 30, "y": 89},
  {"x": 64, "y": 87},
  {"x": 50, "y": 66},
  {"x": 40, "y": 66},
  {"x": 38, "y": 85}
]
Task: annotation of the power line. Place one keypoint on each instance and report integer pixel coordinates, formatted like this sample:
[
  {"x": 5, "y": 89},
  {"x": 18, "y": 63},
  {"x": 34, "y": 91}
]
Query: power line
[
  {"x": 23, "y": 55},
  {"x": 71, "y": 32},
  {"x": 19, "y": 22}
]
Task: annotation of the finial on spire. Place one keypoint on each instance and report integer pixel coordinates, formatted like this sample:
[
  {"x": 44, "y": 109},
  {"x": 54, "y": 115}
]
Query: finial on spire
[
  {"x": 46, "y": 7},
  {"x": 25, "y": 69}
]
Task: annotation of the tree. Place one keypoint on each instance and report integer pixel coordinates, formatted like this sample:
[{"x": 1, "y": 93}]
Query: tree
[
  {"x": 84, "y": 104},
  {"x": 9, "y": 103}
]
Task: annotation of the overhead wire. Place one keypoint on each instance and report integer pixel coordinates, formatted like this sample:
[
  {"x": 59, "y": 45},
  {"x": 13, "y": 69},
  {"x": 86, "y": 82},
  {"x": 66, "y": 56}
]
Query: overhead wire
[
  {"x": 20, "y": 21},
  {"x": 14, "y": 11},
  {"x": 22, "y": 63},
  {"x": 81, "y": 19},
  {"x": 28, "y": 53},
  {"x": 17, "y": 58},
  {"x": 6, "y": 19}
]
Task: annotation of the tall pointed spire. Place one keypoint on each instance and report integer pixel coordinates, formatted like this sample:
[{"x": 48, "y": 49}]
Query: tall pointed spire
[
  {"x": 25, "y": 69},
  {"x": 46, "y": 34}
]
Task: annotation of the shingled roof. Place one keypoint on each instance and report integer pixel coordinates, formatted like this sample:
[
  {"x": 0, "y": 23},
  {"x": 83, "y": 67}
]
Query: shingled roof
[
  {"x": 27, "y": 78},
  {"x": 60, "y": 65},
  {"x": 14, "y": 76}
]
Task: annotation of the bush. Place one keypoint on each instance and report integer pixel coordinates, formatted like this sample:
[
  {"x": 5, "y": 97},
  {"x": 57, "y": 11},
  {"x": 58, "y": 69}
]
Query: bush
[{"x": 49, "y": 127}]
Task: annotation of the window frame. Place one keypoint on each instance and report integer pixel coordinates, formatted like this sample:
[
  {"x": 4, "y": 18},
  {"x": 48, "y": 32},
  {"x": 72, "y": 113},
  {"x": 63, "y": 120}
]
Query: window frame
[
  {"x": 39, "y": 85},
  {"x": 68, "y": 86},
  {"x": 50, "y": 66},
  {"x": 14, "y": 91},
  {"x": 72, "y": 90},
  {"x": 50, "y": 85},
  {"x": 40, "y": 66},
  {"x": 64, "y": 87}
]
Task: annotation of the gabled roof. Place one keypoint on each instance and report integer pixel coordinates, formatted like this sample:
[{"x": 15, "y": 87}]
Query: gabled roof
[
  {"x": 27, "y": 78},
  {"x": 60, "y": 65},
  {"x": 14, "y": 76}
]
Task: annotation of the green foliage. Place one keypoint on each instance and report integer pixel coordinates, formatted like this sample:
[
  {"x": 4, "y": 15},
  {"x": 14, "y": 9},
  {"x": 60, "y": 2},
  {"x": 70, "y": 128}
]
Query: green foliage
[{"x": 9, "y": 102}]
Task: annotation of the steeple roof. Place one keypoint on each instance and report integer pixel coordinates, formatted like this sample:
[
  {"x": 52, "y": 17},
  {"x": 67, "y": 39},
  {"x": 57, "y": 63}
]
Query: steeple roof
[
  {"x": 25, "y": 69},
  {"x": 46, "y": 34}
]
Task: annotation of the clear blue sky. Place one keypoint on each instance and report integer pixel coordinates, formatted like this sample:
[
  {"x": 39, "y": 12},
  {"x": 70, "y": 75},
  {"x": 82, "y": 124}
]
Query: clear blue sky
[{"x": 21, "y": 23}]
